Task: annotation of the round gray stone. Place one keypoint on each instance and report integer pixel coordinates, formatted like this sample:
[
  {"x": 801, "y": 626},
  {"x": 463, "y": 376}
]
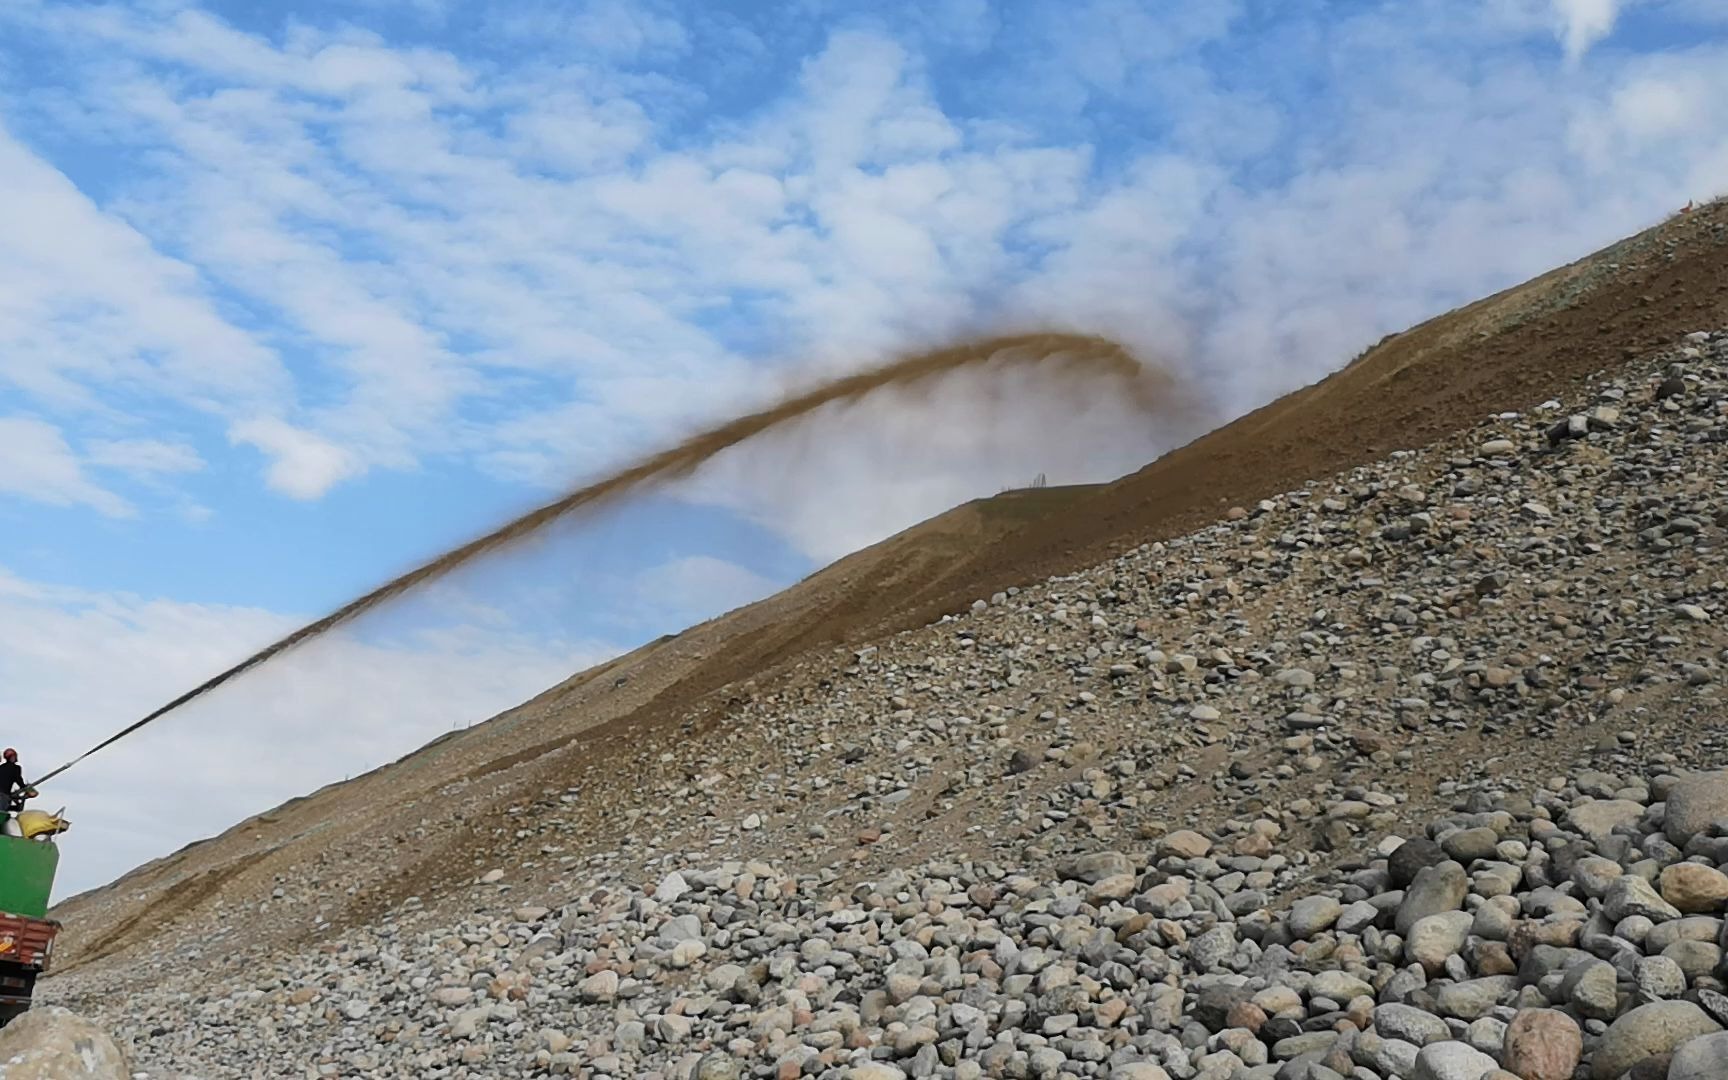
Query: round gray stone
[
  {"x": 1703, "y": 1058},
  {"x": 1695, "y": 803},
  {"x": 1313, "y": 915},
  {"x": 1647, "y": 1031},
  {"x": 1412, "y": 1025},
  {"x": 1437, "y": 888},
  {"x": 1452, "y": 1061}
]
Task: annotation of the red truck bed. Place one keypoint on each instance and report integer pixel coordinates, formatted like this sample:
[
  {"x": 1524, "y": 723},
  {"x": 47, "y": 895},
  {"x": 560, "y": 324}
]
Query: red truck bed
[
  {"x": 26, "y": 941},
  {"x": 25, "y": 945}
]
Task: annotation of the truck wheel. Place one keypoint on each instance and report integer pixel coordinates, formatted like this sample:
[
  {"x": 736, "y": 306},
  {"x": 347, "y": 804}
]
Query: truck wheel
[{"x": 17, "y": 983}]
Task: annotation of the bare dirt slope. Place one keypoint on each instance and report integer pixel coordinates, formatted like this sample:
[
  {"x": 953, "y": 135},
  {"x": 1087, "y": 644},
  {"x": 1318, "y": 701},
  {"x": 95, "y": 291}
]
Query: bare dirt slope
[
  {"x": 1510, "y": 641},
  {"x": 661, "y": 679},
  {"x": 1508, "y": 351},
  {"x": 427, "y": 825}
]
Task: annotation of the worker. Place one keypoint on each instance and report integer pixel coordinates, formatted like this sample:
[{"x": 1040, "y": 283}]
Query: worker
[{"x": 13, "y": 789}]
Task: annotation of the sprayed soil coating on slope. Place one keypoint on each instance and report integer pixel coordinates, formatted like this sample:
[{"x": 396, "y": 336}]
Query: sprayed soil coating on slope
[
  {"x": 1510, "y": 351},
  {"x": 1088, "y": 361},
  {"x": 1507, "y": 352}
]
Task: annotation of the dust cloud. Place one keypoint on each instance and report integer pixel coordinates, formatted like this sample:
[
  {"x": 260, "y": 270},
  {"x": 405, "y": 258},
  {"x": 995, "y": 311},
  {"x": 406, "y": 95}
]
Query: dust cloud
[{"x": 1086, "y": 364}]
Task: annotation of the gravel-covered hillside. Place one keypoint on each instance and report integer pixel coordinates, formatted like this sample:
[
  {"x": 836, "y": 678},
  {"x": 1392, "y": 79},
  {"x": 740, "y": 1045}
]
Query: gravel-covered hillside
[{"x": 1390, "y": 777}]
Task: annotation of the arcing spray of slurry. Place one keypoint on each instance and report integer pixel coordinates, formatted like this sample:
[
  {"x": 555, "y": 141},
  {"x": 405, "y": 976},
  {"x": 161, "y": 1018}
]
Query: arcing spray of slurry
[{"x": 1082, "y": 358}]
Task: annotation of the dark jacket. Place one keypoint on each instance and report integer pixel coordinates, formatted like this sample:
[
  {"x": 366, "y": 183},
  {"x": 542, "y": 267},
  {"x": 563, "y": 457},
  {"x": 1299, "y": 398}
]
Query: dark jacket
[{"x": 11, "y": 779}]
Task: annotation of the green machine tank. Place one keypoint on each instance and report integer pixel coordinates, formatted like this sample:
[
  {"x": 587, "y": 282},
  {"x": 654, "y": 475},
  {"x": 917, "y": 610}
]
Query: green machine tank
[
  {"x": 26, "y": 875},
  {"x": 28, "y": 859}
]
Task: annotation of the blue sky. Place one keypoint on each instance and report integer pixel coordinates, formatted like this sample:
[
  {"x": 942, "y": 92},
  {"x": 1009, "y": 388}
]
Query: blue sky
[{"x": 293, "y": 296}]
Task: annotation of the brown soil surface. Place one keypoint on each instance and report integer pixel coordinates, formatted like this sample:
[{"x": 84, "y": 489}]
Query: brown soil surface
[
  {"x": 1508, "y": 352},
  {"x": 428, "y": 824}
]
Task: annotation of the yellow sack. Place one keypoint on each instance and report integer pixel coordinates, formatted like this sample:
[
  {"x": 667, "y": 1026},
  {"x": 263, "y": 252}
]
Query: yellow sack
[{"x": 34, "y": 823}]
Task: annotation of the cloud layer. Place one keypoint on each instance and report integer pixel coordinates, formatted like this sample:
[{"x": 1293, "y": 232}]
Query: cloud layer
[
  {"x": 1584, "y": 22},
  {"x": 355, "y": 253}
]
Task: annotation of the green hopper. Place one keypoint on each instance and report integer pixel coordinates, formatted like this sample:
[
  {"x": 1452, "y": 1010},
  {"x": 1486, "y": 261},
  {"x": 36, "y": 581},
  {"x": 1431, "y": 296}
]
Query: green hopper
[{"x": 27, "y": 868}]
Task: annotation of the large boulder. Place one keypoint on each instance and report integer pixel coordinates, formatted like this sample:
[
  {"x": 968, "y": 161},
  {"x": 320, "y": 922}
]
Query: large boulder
[
  {"x": 717, "y": 1066},
  {"x": 1632, "y": 895},
  {"x": 1411, "y": 858},
  {"x": 1410, "y": 1024},
  {"x": 1452, "y": 1061},
  {"x": 1138, "y": 1070},
  {"x": 1590, "y": 988},
  {"x": 1095, "y": 866},
  {"x": 1651, "y": 1030},
  {"x": 1468, "y": 845},
  {"x": 1437, "y": 888},
  {"x": 1598, "y": 819},
  {"x": 51, "y": 1043},
  {"x": 1184, "y": 844},
  {"x": 1704, "y": 1058},
  {"x": 1692, "y": 928},
  {"x": 1313, "y": 915},
  {"x": 1473, "y": 999},
  {"x": 1431, "y": 940},
  {"x": 1694, "y": 888},
  {"x": 1339, "y": 986},
  {"x": 875, "y": 1070},
  {"x": 1695, "y": 803},
  {"x": 1542, "y": 1044}
]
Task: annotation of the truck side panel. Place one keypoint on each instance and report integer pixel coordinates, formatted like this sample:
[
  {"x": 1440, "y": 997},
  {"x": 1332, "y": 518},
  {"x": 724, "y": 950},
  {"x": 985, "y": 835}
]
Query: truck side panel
[
  {"x": 26, "y": 942},
  {"x": 26, "y": 875}
]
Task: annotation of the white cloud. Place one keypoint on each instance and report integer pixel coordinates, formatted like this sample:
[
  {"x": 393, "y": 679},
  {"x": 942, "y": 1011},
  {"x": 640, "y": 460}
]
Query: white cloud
[
  {"x": 1660, "y": 103},
  {"x": 433, "y": 11},
  {"x": 1108, "y": 46},
  {"x": 302, "y": 465},
  {"x": 970, "y": 24},
  {"x": 699, "y": 587},
  {"x": 533, "y": 266},
  {"x": 599, "y": 283},
  {"x": 1663, "y": 111},
  {"x": 37, "y": 464},
  {"x": 1583, "y": 23},
  {"x": 78, "y": 666},
  {"x": 1419, "y": 184},
  {"x": 142, "y": 456},
  {"x": 609, "y": 28},
  {"x": 88, "y": 306}
]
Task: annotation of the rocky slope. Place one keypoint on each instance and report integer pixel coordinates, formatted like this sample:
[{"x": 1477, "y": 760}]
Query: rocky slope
[
  {"x": 424, "y": 825},
  {"x": 1506, "y": 647}
]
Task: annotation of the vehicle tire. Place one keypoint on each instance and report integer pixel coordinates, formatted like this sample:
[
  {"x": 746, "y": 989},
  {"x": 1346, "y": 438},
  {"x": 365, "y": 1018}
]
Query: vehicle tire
[{"x": 17, "y": 983}]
